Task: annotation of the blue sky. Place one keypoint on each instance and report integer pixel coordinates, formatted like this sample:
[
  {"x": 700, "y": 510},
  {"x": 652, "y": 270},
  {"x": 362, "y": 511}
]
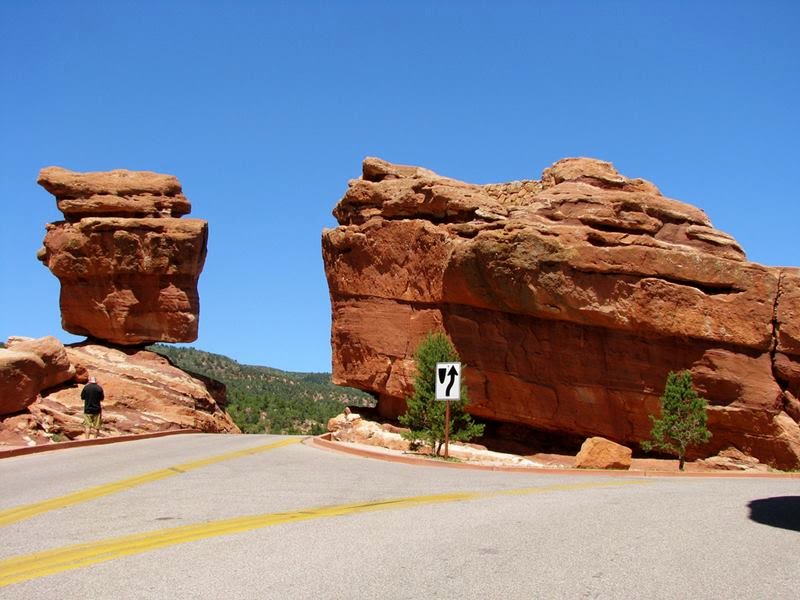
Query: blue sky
[{"x": 264, "y": 110}]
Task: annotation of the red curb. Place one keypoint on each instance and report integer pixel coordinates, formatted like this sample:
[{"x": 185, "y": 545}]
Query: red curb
[
  {"x": 345, "y": 448},
  {"x": 93, "y": 442}
]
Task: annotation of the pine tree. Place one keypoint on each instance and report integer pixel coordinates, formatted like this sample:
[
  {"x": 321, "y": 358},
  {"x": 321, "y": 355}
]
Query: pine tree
[
  {"x": 425, "y": 416},
  {"x": 683, "y": 418}
]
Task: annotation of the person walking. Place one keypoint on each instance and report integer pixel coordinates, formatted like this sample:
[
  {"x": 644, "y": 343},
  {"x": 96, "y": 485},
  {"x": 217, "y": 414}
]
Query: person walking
[{"x": 92, "y": 396}]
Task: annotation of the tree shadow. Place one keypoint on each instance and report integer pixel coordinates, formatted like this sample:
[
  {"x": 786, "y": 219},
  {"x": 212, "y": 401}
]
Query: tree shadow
[{"x": 781, "y": 511}]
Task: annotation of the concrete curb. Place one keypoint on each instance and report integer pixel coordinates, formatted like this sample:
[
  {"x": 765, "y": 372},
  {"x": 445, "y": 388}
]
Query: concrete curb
[
  {"x": 346, "y": 448},
  {"x": 92, "y": 442}
]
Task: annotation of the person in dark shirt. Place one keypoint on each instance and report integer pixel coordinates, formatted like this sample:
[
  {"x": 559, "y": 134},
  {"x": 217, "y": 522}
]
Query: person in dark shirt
[{"x": 92, "y": 396}]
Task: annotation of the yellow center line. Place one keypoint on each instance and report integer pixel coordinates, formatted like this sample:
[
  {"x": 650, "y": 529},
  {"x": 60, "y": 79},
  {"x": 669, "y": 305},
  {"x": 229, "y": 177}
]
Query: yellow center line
[
  {"x": 19, "y": 513},
  {"x": 32, "y": 566}
]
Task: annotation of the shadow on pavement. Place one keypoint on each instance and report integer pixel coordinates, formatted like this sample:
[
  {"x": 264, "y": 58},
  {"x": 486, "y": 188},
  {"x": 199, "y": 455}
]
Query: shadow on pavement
[{"x": 781, "y": 511}]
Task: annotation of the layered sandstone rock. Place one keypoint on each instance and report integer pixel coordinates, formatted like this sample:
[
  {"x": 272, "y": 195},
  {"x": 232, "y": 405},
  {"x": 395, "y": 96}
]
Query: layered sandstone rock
[
  {"x": 128, "y": 266},
  {"x": 144, "y": 393},
  {"x": 569, "y": 298}
]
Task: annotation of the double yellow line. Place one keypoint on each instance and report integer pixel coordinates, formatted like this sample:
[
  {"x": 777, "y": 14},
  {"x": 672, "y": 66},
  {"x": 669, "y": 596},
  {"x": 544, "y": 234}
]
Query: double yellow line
[
  {"x": 19, "y": 513},
  {"x": 40, "y": 564}
]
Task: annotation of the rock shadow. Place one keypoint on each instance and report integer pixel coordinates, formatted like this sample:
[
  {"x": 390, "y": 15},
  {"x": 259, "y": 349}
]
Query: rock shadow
[{"x": 780, "y": 511}]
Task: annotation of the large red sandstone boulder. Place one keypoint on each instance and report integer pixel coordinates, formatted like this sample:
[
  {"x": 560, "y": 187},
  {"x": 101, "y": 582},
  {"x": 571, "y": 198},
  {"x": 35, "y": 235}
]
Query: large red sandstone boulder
[
  {"x": 143, "y": 393},
  {"x": 21, "y": 377},
  {"x": 128, "y": 266},
  {"x": 570, "y": 298},
  {"x": 600, "y": 453},
  {"x": 57, "y": 368}
]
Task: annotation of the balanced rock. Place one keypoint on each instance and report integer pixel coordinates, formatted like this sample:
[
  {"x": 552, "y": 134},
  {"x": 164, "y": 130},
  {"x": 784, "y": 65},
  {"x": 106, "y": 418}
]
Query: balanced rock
[
  {"x": 600, "y": 453},
  {"x": 570, "y": 298},
  {"x": 128, "y": 266}
]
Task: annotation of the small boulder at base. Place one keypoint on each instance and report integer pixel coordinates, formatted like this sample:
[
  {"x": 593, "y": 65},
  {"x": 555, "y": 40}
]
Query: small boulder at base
[
  {"x": 733, "y": 459},
  {"x": 600, "y": 453},
  {"x": 350, "y": 427}
]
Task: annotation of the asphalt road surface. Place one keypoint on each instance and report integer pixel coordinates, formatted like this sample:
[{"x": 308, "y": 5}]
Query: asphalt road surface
[{"x": 222, "y": 517}]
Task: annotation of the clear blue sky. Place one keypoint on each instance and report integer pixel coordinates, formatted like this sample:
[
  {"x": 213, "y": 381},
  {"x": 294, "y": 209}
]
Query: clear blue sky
[{"x": 264, "y": 110}]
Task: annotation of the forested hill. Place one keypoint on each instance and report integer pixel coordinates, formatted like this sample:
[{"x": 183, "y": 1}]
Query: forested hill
[{"x": 267, "y": 400}]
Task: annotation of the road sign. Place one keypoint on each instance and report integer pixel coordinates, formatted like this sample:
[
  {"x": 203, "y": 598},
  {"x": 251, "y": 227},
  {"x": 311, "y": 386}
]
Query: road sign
[{"x": 448, "y": 381}]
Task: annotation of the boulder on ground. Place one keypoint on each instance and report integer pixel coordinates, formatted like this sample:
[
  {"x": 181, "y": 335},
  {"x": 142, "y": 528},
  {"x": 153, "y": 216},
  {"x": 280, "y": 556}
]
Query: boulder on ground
[
  {"x": 733, "y": 459},
  {"x": 600, "y": 453},
  {"x": 352, "y": 428}
]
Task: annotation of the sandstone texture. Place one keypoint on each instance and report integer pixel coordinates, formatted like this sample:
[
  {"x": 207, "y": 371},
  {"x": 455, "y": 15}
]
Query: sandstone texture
[
  {"x": 21, "y": 378},
  {"x": 128, "y": 266},
  {"x": 569, "y": 299},
  {"x": 600, "y": 453},
  {"x": 732, "y": 459},
  {"x": 144, "y": 393},
  {"x": 352, "y": 428},
  {"x": 57, "y": 367}
]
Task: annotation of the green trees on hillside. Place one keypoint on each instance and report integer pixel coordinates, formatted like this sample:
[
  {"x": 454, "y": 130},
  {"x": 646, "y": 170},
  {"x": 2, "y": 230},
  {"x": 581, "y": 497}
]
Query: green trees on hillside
[
  {"x": 267, "y": 400},
  {"x": 425, "y": 416},
  {"x": 683, "y": 419}
]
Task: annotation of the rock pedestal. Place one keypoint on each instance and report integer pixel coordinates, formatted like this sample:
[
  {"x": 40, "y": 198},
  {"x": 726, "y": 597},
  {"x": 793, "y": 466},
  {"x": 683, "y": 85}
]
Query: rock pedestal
[
  {"x": 570, "y": 298},
  {"x": 41, "y": 381}
]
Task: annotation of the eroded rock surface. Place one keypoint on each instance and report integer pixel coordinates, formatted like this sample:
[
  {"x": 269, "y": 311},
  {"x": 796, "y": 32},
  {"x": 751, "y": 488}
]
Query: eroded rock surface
[
  {"x": 128, "y": 266},
  {"x": 144, "y": 393},
  {"x": 570, "y": 298}
]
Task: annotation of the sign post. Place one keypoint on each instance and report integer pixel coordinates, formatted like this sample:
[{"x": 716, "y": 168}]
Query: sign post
[{"x": 448, "y": 387}]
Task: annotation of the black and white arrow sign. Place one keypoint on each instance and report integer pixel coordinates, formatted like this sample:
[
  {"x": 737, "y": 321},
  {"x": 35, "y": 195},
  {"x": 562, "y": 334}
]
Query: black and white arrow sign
[{"x": 448, "y": 381}]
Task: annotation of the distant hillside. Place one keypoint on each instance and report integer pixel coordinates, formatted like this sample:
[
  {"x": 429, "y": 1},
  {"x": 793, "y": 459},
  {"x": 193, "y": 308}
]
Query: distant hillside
[{"x": 267, "y": 400}]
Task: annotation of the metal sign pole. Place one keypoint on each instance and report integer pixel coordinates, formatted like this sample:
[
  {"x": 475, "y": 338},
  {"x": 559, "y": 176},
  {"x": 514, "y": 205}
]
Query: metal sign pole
[
  {"x": 448, "y": 387},
  {"x": 447, "y": 430}
]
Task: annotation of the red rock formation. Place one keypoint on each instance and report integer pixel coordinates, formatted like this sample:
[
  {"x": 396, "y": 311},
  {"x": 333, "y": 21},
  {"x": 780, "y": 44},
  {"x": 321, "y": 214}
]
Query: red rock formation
[
  {"x": 21, "y": 378},
  {"x": 569, "y": 298},
  {"x": 128, "y": 266},
  {"x": 144, "y": 393},
  {"x": 57, "y": 368}
]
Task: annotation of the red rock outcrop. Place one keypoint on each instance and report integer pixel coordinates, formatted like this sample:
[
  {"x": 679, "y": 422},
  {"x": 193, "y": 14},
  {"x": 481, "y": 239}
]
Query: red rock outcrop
[
  {"x": 57, "y": 367},
  {"x": 21, "y": 378},
  {"x": 144, "y": 393},
  {"x": 128, "y": 266},
  {"x": 569, "y": 298}
]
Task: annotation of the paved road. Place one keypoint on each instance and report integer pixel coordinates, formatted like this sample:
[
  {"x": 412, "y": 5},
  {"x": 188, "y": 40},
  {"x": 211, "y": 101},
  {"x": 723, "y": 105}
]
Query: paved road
[{"x": 268, "y": 518}]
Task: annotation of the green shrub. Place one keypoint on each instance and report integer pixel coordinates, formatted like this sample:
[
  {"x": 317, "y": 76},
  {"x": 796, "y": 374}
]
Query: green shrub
[
  {"x": 425, "y": 416},
  {"x": 683, "y": 418}
]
